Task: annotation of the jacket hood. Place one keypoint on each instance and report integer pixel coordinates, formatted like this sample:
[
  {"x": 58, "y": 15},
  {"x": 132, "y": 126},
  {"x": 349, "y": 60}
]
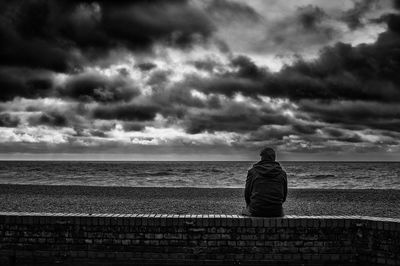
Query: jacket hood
[{"x": 268, "y": 168}]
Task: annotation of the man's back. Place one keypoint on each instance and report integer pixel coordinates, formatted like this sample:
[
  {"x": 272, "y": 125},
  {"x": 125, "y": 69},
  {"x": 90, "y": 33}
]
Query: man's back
[{"x": 266, "y": 187}]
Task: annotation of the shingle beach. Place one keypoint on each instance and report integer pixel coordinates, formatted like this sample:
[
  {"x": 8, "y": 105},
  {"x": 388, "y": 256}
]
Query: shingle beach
[{"x": 90, "y": 199}]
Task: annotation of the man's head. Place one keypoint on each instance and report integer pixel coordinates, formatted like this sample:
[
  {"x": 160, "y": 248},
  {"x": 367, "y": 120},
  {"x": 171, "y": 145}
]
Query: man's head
[{"x": 268, "y": 154}]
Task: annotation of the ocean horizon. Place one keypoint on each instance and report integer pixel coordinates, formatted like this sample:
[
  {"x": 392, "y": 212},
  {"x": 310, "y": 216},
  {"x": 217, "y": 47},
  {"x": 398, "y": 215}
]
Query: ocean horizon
[{"x": 208, "y": 174}]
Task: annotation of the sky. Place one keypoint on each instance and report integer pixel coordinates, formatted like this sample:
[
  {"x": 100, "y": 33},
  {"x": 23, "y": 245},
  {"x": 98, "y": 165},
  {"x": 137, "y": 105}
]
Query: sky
[{"x": 199, "y": 80}]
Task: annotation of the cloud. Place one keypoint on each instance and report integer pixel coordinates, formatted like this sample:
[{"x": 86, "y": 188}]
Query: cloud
[
  {"x": 310, "y": 17},
  {"x": 354, "y": 16},
  {"x": 7, "y": 120},
  {"x": 343, "y": 136},
  {"x": 355, "y": 114},
  {"x": 226, "y": 119},
  {"x": 207, "y": 64},
  {"x": 126, "y": 112},
  {"x": 309, "y": 27},
  {"x": 146, "y": 66},
  {"x": 290, "y": 28},
  {"x": 21, "y": 83},
  {"x": 228, "y": 11},
  {"x": 275, "y": 133},
  {"x": 364, "y": 72},
  {"x": 62, "y": 36},
  {"x": 176, "y": 23},
  {"x": 349, "y": 86},
  {"x": 246, "y": 68},
  {"x": 342, "y": 71},
  {"x": 114, "y": 76},
  {"x": 52, "y": 119},
  {"x": 88, "y": 87}
]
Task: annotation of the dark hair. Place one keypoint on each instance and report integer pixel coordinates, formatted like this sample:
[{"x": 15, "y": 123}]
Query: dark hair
[{"x": 268, "y": 154}]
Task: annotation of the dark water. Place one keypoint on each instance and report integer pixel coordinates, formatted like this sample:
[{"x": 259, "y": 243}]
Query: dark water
[{"x": 353, "y": 175}]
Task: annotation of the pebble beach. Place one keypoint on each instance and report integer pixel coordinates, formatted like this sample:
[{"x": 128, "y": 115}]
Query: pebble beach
[{"x": 91, "y": 199}]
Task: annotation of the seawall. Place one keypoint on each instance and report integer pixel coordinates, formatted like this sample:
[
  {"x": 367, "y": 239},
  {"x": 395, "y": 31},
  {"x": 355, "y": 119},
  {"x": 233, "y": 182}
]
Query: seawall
[{"x": 157, "y": 239}]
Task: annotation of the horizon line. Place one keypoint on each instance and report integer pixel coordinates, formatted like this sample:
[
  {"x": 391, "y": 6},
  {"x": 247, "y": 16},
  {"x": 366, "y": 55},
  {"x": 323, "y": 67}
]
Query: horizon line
[{"x": 111, "y": 160}]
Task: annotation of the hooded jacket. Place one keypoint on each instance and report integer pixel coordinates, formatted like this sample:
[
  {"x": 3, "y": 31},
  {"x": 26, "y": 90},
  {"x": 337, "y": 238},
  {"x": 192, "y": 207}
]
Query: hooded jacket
[{"x": 266, "y": 185}]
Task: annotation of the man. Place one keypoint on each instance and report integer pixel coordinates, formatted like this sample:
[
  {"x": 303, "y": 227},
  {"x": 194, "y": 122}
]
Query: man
[{"x": 266, "y": 187}]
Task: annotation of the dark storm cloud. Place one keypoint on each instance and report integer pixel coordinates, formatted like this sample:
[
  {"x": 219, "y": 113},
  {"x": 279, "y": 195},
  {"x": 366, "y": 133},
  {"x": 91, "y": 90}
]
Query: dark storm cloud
[
  {"x": 7, "y": 120},
  {"x": 51, "y": 35},
  {"x": 227, "y": 85},
  {"x": 340, "y": 135},
  {"x": 159, "y": 78},
  {"x": 174, "y": 22},
  {"x": 233, "y": 118},
  {"x": 392, "y": 21},
  {"x": 348, "y": 94},
  {"x": 304, "y": 129},
  {"x": 14, "y": 83},
  {"x": 279, "y": 131},
  {"x": 174, "y": 98},
  {"x": 308, "y": 27},
  {"x": 396, "y": 4},
  {"x": 62, "y": 36},
  {"x": 341, "y": 72},
  {"x": 28, "y": 37},
  {"x": 247, "y": 68},
  {"x": 246, "y": 78},
  {"x": 98, "y": 133},
  {"x": 353, "y": 17},
  {"x": 126, "y": 112},
  {"x": 356, "y": 115},
  {"x": 207, "y": 64},
  {"x": 352, "y": 86},
  {"x": 146, "y": 66},
  {"x": 227, "y": 11},
  {"x": 269, "y": 133},
  {"x": 310, "y": 17},
  {"x": 133, "y": 126},
  {"x": 52, "y": 119},
  {"x": 97, "y": 87},
  {"x": 179, "y": 97},
  {"x": 364, "y": 72}
]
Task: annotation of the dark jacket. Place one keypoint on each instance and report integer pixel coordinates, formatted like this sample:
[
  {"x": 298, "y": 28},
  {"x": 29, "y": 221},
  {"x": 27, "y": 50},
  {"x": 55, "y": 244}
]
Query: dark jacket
[{"x": 266, "y": 187}]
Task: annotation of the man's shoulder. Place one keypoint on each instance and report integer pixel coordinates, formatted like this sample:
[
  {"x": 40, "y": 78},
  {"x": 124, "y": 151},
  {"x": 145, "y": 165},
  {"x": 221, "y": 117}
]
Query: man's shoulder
[{"x": 252, "y": 171}]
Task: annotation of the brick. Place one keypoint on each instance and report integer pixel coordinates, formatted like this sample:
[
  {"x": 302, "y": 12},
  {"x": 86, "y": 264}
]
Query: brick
[
  {"x": 225, "y": 236},
  {"x": 267, "y": 222},
  {"x": 242, "y": 222},
  {"x": 293, "y": 223},
  {"x": 181, "y": 220},
  {"x": 217, "y": 220},
  {"x": 175, "y": 220},
  {"x": 279, "y": 238},
  {"x": 214, "y": 237},
  {"x": 247, "y": 222},
  {"x": 169, "y": 220},
  {"x": 210, "y": 220},
  {"x": 258, "y": 222},
  {"x": 235, "y": 221},
  {"x": 279, "y": 222},
  {"x": 223, "y": 220},
  {"x": 163, "y": 220}
]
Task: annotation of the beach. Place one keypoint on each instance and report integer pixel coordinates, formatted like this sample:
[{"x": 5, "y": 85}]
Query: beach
[{"x": 91, "y": 199}]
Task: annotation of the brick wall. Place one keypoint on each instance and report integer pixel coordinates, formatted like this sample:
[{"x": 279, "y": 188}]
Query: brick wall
[{"x": 153, "y": 239}]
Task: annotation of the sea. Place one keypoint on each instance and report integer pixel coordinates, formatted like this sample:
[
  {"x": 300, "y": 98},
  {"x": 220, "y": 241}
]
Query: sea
[{"x": 228, "y": 174}]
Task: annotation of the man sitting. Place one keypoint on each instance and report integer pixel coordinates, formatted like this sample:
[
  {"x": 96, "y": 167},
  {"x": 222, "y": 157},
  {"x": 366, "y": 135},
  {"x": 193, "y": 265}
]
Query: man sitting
[{"x": 266, "y": 187}]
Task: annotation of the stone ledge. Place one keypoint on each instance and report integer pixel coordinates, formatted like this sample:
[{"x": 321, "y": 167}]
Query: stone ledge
[
  {"x": 205, "y": 220},
  {"x": 87, "y": 239}
]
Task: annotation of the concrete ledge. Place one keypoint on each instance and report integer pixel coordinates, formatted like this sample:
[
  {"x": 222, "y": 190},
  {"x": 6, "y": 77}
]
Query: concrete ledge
[{"x": 154, "y": 239}]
